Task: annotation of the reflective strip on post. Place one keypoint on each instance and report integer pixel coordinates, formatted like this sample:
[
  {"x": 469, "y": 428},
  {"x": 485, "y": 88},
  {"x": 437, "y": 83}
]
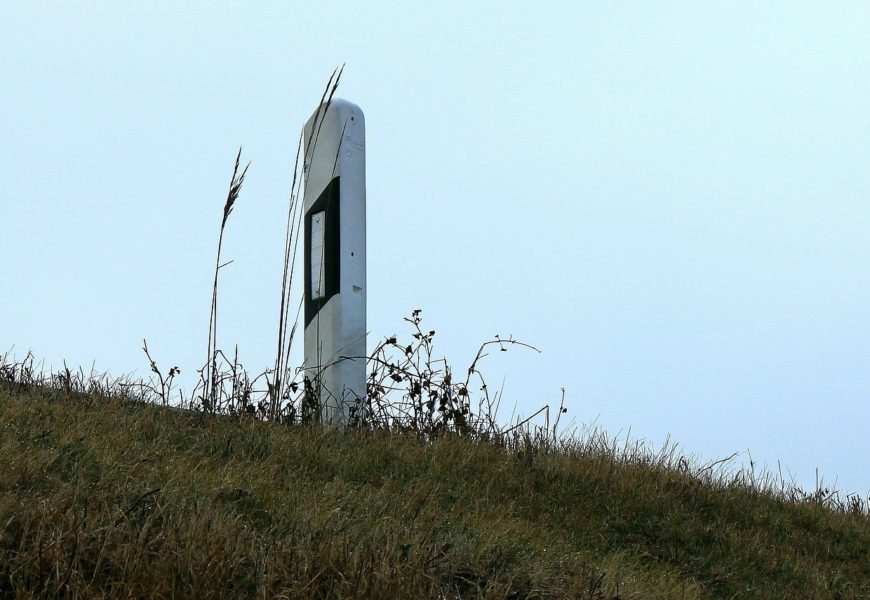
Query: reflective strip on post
[{"x": 318, "y": 223}]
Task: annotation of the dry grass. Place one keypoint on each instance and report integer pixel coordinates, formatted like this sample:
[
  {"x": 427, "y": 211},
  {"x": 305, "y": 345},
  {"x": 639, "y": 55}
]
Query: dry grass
[
  {"x": 103, "y": 496},
  {"x": 210, "y": 375}
]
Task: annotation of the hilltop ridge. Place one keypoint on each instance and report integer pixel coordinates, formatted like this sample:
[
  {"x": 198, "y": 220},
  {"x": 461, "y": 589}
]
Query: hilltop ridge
[{"x": 104, "y": 497}]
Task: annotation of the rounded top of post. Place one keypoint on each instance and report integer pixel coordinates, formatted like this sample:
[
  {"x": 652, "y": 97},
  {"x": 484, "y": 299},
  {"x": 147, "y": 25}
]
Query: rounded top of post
[
  {"x": 334, "y": 119},
  {"x": 340, "y": 107},
  {"x": 342, "y": 104}
]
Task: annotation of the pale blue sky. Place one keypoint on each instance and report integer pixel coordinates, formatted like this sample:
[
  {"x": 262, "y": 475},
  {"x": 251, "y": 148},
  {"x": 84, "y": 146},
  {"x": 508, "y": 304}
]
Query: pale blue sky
[{"x": 670, "y": 199}]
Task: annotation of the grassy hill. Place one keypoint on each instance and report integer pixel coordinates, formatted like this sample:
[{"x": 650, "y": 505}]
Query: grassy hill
[{"x": 102, "y": 497}]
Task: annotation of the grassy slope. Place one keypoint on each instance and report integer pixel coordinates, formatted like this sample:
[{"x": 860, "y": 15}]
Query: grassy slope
[{"x": 106, "y": 498}]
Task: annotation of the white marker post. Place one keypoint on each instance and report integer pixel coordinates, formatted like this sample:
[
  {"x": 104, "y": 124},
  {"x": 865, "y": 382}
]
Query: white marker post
[{"x": 335, "y": 259}]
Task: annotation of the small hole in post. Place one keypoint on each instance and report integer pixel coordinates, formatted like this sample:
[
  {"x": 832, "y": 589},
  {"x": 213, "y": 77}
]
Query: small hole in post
[{"x": 351, "y": 253}]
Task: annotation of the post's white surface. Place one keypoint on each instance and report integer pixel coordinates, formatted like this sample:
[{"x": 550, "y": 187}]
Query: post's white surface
[{"x": 335, "y": 338}]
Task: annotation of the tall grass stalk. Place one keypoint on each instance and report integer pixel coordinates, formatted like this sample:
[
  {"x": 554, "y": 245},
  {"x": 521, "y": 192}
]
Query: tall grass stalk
[
  {"x": 210, "y": 378},
  {"x": 279, "y": 388}
]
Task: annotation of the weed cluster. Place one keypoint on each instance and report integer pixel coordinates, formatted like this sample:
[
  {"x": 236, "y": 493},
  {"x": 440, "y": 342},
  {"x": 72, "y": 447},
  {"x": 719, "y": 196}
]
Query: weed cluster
[{"x": 408, "y": 389}]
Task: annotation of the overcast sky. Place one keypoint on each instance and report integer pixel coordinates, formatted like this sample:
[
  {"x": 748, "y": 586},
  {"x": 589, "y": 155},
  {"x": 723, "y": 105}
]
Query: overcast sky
[{"x": 670, "y": 199}]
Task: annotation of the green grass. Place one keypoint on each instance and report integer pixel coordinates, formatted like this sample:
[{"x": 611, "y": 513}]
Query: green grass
[{"x": 102, "y": 497}]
